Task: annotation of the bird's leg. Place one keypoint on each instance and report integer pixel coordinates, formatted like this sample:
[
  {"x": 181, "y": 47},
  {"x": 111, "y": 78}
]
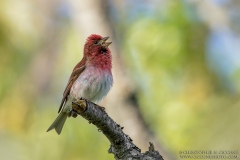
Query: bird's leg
[{"x": 93, "y": 103}]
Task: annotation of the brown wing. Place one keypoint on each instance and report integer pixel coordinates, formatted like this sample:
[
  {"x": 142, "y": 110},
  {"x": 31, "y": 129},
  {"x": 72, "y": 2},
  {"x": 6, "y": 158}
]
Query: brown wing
[{"x": 76, "y": 72}]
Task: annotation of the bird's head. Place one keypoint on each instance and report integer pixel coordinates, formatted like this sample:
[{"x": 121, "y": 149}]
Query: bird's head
[
  {"x": 96, "y": 51},
  {"x": 96, "y": 45}
]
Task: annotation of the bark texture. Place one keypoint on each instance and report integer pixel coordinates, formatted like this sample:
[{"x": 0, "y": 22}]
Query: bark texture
[{"x": 122, "y": 145}]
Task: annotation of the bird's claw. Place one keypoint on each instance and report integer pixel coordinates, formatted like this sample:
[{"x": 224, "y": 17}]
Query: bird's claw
[
  {"x": 79, "y": 106},
  {"x": 102, "y": 108},
  {"x": 73, "y": 114}
]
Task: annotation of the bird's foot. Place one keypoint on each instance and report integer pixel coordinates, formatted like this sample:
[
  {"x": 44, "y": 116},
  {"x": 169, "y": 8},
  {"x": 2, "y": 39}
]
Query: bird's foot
[
  {"x": 79, "y": 106},
  {"x": 73, "y": 113},
  {"x": 102, "y": 108},
  {"x": 84, "y": 99}
]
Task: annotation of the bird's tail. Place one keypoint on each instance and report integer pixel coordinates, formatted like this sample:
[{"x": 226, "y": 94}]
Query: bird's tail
[{"x": 59, "y": 122}]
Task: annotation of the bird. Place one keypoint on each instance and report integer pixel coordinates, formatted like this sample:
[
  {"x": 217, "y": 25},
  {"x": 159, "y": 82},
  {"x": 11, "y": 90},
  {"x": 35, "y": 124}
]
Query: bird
[{"x": 91, "y": 78}]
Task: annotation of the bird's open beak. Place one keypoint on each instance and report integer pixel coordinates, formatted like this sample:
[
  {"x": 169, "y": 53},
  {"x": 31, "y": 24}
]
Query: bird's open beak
[{"x": 103, "y": 42}]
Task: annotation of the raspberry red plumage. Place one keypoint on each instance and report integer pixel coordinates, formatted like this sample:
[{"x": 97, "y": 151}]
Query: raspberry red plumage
[{"x": 91, "y": 77}]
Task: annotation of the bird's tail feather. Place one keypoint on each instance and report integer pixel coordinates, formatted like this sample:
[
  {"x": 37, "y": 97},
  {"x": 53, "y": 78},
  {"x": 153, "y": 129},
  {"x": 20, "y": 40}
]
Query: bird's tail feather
[{"x": 58, "y": 123}]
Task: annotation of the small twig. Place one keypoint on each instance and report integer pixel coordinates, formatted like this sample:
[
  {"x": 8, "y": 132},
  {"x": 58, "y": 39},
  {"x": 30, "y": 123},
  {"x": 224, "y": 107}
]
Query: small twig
[{"x": 121, "y": 144}]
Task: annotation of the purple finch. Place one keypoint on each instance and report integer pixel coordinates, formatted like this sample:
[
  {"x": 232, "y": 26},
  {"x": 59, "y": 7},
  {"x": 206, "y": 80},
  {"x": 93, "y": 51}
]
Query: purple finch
[{"x": 91, "y": 78}]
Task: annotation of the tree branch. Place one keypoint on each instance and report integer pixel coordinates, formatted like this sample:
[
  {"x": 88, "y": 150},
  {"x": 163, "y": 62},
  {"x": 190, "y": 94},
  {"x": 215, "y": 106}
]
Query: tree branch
[{"x": 121, "y": 144}]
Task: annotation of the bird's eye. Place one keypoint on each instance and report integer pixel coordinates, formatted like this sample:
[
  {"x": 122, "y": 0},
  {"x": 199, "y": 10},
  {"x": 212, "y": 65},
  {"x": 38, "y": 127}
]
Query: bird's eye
[{"x": 96, "y": 42}]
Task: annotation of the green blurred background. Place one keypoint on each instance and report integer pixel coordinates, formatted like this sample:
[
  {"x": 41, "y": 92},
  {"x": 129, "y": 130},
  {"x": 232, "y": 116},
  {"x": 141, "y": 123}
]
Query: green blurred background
[{"x": 181, "y": 58}]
